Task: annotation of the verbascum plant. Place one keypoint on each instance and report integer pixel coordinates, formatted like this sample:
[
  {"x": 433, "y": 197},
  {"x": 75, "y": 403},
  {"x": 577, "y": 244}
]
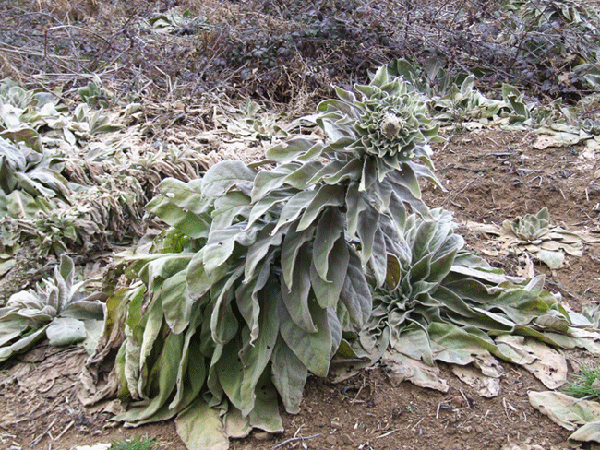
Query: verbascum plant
[
  {"x": 529, "y": 228},
  {"x": 264, "y": 270},
  {"x": 454, "y": 100},
  {"x": 446, "y": 304},
  {"x": 58, "y": 309}
]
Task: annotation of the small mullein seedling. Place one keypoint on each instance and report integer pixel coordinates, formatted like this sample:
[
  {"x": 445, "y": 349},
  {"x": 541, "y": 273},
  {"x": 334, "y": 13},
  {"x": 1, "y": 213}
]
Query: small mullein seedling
[
  {"x": 58, "y": 309},
  {"x": 137, "y": 443},
  {"x": 586, "y": 383}
]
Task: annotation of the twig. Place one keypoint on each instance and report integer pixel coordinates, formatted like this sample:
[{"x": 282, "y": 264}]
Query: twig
[
  {"x": 359, "y": 391},
  {"x": 67, "y": 428},
  {"x": 24, "y": 51},
  {"x": 507, "y": 407},
  {"x": 469, "y": 404},
  {"x": 584, "y": 222},
  {"x": 41, "y": 436},
  {"x": 387, "y": 434},
  {"x": 83, "y": 30},
  {"x": 417, "y": 424},
  {"x": 441, "y": 406},
  {"x": 299, "y": 438}
]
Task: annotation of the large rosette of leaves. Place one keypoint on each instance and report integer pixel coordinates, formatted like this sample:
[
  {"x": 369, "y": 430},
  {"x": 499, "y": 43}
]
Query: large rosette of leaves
[
  {"x": 446, "y": 304},
  {"x": 391, "y": 119},
  {"x": 264, "y": 268},
  {"x": 237, "y": 311},
  {"x": 385, "y": 130}
]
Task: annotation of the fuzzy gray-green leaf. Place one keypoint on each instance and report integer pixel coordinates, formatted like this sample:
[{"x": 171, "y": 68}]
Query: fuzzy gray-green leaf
[
  {"x": 65, "y": 331},
  {"x": 186, "y": 196},
  {"x": 328, "y": 289},
  {"x": 227, "y": 208},
  {"x": 290, "y": 149},
  {"x": 223, "y": 176},
  {"x": 355, "y": 205},
  {"x": 176, "y": 304},
  {"x": 328, "y": 195},
  {"x": 255, "y": 355},
  {"x": 219, "y": 247},
  {"x": 294, "y": 207},
  {"x": 223, "y": 323},
  {"x": 247, "y": 299},
  {"x": 260, "y": 248},
  {"x": 198, "y": 281},
  {"x": 356, "y": 295},
  {"x": 289, "y": 376},
  {"x": 312, "y": 348},
  {"x": 22, "y": 344},
  {"x": 266, "y": 203},
  {"x": 268, "y": 181},
  {"x": 366, "y": 229},
  {"x": 329, "y": 229},
  {"x": 296, "y": 299},
  {"x": 302, "y": 176},
  {"x": 289, "y": 250}
]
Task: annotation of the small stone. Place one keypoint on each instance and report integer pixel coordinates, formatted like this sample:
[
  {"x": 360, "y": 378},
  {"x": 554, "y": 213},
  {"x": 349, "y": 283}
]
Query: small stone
[
  {"x": 478, "y": 428},
  {"x": 396, "y": 413},
  {"x": 262, "y": 436},
  {"x": 459, "y": 402},
  {"x": 347, "y": 439},
  {"x": 331, "y": 440},
  {"x": 336, "y": 424}
]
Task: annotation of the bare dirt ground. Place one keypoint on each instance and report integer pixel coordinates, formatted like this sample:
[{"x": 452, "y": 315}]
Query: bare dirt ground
[{"x": 490, "y": 176}]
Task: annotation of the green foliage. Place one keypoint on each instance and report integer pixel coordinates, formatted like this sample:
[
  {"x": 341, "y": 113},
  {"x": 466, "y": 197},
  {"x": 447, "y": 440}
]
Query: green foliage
[
  {"x": 94, "y": 94},
  {"x": 58, "y": 309},
  {"x": 37, "y": 201},
  {"x": 22, "y": 112},
  {"x": 532, "y": 234},
  {"x": 276, "y": 264},
  {"x": 28, "y": 171},
  {"x": 455, "y": 100},
  {"x": 270, "y": 269},
  {"x": 86, "y": 123},
  {"x": 31, "y": 177},
  {"x": 443, "y": 303},
  {"x": 250, "y": 122},
  {"x": 585, "y": 383},
  {"x": 175, "y": 22},
  {"x": 39, "y": 121},
  {"x": 137, "y": 443},
  {"x": 530, "y": 227}
]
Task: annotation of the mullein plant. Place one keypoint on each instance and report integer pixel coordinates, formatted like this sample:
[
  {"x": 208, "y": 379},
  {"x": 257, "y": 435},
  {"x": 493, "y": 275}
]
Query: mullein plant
[
  {"x": 267, "y": 267},
  {"x": 323, "y": 250},
  {"x": 58, "y": 309},
  {"x": 443, "y": 303}
]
